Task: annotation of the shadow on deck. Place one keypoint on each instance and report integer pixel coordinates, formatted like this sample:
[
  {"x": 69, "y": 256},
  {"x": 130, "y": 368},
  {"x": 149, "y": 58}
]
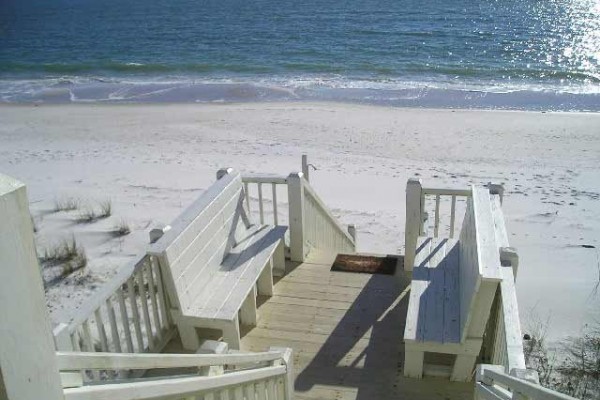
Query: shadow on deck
[{"x": 346, "y": 330}]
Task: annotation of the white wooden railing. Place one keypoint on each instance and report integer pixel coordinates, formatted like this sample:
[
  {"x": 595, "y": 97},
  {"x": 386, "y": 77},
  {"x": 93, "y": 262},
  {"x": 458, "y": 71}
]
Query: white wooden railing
[
  {"x": 238, "y": 376},
  {"x": 312, "y": 226},
  {"x": 258, "y": 205},
  {"x": 128, "y": 315},
  {"x": 322, "y": 229},
  {"x": 417, "y": 219},
  {"x": 492, "y": 383}
]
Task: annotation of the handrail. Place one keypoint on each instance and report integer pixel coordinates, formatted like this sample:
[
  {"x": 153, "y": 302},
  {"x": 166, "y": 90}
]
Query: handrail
[
  {"x": 260, "y": 180},
  {"x": 107, "y": 290},
  {"x": 446, "y": 191},
  {"x": 327, "y": 213},
  {"x": 489, "y": 378},
  {"x": 173, "y": 387},
  {"x": 129, "y": 314},
  {"x": 264, "y": 178},
  {"x": 69, "y": 361}
]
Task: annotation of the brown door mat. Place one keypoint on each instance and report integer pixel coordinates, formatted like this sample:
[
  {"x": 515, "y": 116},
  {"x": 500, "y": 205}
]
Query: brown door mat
[{"x": 365, "y": 264}]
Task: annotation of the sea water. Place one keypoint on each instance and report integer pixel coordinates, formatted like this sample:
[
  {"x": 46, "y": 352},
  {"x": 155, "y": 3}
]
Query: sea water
[{"x": 516, "y": 54}]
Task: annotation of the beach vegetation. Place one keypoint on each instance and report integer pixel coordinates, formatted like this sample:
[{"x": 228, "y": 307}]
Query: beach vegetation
[
  {"x": 105, "y": 209},
  {"x": 66, "y": 204},
  {"x": 67, "y": 254},
  {"x": 572, "y": 368},
  {"x": 121, "y": 229}
]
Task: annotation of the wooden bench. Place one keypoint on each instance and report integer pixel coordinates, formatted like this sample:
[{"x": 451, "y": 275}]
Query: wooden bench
[
  {"x": 214, "y": 260},
  {"x": 452, "y": 290}
]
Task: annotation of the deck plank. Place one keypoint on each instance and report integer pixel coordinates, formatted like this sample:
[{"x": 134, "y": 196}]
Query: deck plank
[{"x": 346, "y": 332}]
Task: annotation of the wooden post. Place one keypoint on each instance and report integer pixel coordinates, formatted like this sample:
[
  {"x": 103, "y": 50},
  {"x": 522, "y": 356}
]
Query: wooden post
[
  {"x": 223, "y": 171},
  {"x": 305, "y": 167},
  {"x": 296, "y": 217},
  {"x": 412, "y": 227},
  {"x": 157, "y": 233},
  {"x": 496, "y": 188},
  {"x": 27, "y": 355},
  {"x": 352, "y": 231},
  {"x": 288, "y": 360}
]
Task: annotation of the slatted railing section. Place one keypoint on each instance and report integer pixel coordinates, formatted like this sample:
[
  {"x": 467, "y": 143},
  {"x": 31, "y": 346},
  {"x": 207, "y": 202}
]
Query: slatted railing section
[
  {"x": 238, "y": 376},
  {"x": 322, "y": 229},
  {"x": 425, "y": 215},
  {"x": 505, "y": 346},
  {"x": 439, "y": 196},
  {"x": 266, "y": 198},
  {"x": 128, "y": 315},
  {"x": 492, "y": 383}
]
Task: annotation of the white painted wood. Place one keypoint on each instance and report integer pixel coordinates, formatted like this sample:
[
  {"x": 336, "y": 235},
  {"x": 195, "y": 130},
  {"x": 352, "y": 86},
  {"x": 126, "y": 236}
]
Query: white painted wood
[
  {"x": 125, "y": 320},
  {"x": 168, "y": 388},
  {"x": 296, "y": 216},
  {"x": 274, "y": 198},
  {"x": 101, "y": 330},
  {"x": 452, "y": 215},
  {"x": 323, "y": 231},
  {"x": 436, "y": 226},
  {"x": 489, "y": 375},
  {"x": 260, "y": 204},
  {"x": 231, "y": 333},
  {"x": 145, "y": 312},
  {"x": 248, "y": 314},
  {"x": 412, "y": 227},
  {"x": 153, "y": 301},
  {"x": 462, "y": 370},
  {"x": 114, "y": 330},
  {"x": 135, "y": 314},
  {"x": 62, "y": 337},
  {"x": 71, "y": 379},
  {"x": 27, "y": 360},
  {"x": 305, "y": 170},
  {"x": 287, "y": 359},
  {"x": 413, "y": 363},
  {"x": 74, "y": 360}
]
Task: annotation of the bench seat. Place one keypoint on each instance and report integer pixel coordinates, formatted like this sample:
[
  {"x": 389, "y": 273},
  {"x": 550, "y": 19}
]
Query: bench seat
[
  {"x": 452, "y": 289},
  {"x": 215, "y": 260},
  {"x": 240, "y": 271},
  {"x": 434, "y": 288}
]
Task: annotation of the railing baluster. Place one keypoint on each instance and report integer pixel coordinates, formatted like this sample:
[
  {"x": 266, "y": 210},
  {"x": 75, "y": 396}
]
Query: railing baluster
[
  {"x": 136, "y": 315},
  {"x": 249, "y": 391},
  {"x": 125, "y": 320},
  {"x": 101, "y": 330},
  {"x": 87, "y": 337},
  {"x": 89, "y": 344},
  {"x": 114, "y": 331},
  {"x": 247, "y": 196},
  {"x": 152, "y": 289},
  {"x": 452, "y": 215},
  {"x": 161, "y": 295},
  {"x": 274, "y": 187},
  {"x": 261, "y": 390},
  {"x": 260, "y": 204},
  {"x": 144, "y": 300},
  {"x": 437, "y": 216}
]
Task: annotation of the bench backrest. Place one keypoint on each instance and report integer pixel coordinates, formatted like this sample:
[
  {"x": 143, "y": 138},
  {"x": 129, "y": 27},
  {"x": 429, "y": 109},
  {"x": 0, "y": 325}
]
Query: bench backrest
[
  {"x": 191, "y": 252},
  {"x": 479, "y": 264}
]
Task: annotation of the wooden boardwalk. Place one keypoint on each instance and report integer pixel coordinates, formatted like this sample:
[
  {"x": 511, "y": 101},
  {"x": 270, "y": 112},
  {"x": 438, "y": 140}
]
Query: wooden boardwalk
[{"x": 346, "y": 330}]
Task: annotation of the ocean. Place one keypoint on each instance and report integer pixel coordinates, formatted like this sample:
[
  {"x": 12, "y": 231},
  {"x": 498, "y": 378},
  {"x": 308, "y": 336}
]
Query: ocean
[{"x": 505, "y": 54}]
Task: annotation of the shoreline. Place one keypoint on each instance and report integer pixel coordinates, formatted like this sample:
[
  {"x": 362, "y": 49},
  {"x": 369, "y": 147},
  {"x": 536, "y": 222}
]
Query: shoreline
[
  {"x": 152, "y": 160},
  {"x": 57, "y": 91},
  {"x": 289, "y": 103}
]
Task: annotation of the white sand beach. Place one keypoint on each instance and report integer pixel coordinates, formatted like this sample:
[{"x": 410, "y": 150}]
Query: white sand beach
[{"x": 153, "y": 160}]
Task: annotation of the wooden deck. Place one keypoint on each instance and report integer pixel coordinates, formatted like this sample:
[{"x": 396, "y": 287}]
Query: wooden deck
[{"x": 346, "y": 330}]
